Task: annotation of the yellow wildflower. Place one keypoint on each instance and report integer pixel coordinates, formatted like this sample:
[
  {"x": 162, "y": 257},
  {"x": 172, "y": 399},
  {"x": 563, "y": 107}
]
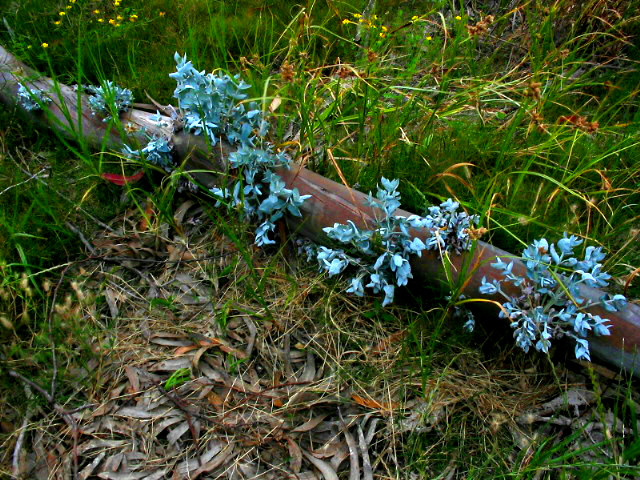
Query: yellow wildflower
[
  {"x": 101, "y": 20},
  {"x": 62, "y": 13},
  {"x": 458, "y": 17},
  {"x": 375, "y": 17},
  {"x": 133, "y": 17},
  {"x": 384, "y": 29},
  {"x": 69, "y": 7},
  {"x": 45, "y": 45},
  {"x": 112, "y": 21},
  {"x": 57, "y": 22},
  {"x": 72, "y": 1},
  {"x": 119, "y": 17},
  {"x": 117, "y": 25},
  {"x": 382, "y": 34},
  {"x": 345, "y": 21},
  {"x": 161, "y": 14},
  {"x": 429, "y": 38},
  {"x": 415, "y": 17},
  {"x": 357, "y": 15},
  {"x": 96, "y": 11}
]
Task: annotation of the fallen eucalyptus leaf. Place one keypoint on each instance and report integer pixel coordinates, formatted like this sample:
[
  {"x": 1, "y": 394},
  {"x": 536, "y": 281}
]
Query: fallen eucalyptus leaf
[
  {"x": 309, "y": 424},
  {"x": 122, "y": 475},
  {"x": 295, "y": 454},
  {"x": 325, "y": 469},
  {"x": 88, "y": 470},
  {"x": 364, "y": 452},
  {"x": 184, "y": 468}
]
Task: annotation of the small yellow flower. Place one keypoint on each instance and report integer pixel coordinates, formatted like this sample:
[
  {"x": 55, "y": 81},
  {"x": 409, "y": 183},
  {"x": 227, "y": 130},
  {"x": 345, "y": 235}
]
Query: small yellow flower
[
  {"x": 415, "y": 17},
  {"x": 101, "y": 20},
  {"x": 117, "y": 25},
  {"x": 375, "y": 17},
  {"x": 161, "y": 14},
  {"x": 57, "y": 22},
  {"x": 119, "y": 17},
  {"x": 62, "y": 13},
  {"x": 69, "y": 7},
  {"x": 382, "y": 34},
  {"x": 72, "y": 1},
  {"x": 112, "y": 21},
  {"x": 458, "y": 17},
  {"x": 429, "y": 38},
  {"x": 357, "y": 15},
  {"x": 345, "y": 21},
  {"x": 45, "y": 45},
  {"x": 384, "y": 29},
  {"x": 96, "y": 11}
]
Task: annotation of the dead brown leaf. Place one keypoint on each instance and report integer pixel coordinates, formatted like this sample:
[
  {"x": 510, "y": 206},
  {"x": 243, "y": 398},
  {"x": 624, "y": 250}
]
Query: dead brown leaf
[{"x": 384, "y": 407}]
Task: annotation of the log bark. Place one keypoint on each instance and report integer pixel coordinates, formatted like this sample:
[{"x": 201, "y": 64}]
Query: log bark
[{"x": 330, "y": 202}]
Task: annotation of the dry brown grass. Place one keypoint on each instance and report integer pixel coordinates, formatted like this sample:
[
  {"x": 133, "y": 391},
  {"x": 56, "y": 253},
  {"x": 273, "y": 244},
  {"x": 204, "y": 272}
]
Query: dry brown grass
[{"x": 298, "y": 381}]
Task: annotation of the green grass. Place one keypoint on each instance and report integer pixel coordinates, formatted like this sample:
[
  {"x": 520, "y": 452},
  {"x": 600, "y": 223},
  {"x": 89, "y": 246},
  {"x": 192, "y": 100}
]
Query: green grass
[{"x": 532, "y": 125}]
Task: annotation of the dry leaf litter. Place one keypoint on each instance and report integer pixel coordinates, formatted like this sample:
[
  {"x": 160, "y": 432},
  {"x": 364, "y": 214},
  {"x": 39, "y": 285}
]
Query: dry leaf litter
[{"x": 269, "y": 386}]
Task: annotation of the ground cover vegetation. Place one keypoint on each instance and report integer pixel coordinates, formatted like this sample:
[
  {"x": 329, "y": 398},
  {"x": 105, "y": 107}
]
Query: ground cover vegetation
[{"x": 524, "y": 112}]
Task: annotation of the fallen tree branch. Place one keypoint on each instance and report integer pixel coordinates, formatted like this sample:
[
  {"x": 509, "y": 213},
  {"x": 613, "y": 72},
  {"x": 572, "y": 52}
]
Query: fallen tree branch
[
  {"x": 31, "y": 177},
  {"x": 64, "y": 414},
  {"x": 15, "y": 464},
  {"x": 330, "y": 202}
]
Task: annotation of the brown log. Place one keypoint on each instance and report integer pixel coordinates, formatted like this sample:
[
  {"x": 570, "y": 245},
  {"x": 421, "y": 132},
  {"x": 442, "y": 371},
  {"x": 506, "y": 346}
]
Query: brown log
[{"x": 330, "y": 202}]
